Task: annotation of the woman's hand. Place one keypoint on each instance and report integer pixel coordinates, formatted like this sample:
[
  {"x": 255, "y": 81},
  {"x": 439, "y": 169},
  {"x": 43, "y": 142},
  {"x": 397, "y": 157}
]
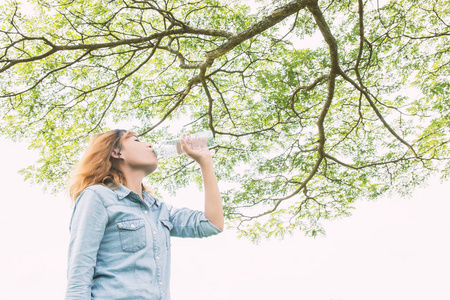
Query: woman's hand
[{"x": 202, "y": 155}]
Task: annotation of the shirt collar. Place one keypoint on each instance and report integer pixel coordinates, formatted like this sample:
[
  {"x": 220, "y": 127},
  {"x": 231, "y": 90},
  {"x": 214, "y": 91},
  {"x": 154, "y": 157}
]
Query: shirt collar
[
  {"x": 123, "y": 192},
  {"x": 150, "y": 198}
]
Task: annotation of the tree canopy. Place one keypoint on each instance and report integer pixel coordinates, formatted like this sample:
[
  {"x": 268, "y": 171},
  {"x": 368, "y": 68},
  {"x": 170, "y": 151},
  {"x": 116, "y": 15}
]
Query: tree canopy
[{"x": 313, "y": 104}]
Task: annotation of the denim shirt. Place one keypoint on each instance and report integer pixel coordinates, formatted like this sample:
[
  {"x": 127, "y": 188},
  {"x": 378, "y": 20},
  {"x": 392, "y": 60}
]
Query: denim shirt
[{"x": 120, "y": 245}]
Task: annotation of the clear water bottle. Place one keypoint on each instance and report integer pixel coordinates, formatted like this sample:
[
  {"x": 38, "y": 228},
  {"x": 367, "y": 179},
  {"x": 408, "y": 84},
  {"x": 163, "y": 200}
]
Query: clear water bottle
[{"x": 196, "y": 141}]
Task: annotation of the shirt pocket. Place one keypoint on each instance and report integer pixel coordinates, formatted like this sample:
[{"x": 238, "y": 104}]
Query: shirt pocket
[
  {"x": 132, "y": 234},
  {"x": 167, "y": 227}
]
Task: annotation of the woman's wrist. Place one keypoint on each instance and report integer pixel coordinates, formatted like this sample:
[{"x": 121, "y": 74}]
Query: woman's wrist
[{"x": 205, "y": 162}]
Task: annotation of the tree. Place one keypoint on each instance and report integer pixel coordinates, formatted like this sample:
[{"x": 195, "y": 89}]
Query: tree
[{"x": 303, "y": 130}]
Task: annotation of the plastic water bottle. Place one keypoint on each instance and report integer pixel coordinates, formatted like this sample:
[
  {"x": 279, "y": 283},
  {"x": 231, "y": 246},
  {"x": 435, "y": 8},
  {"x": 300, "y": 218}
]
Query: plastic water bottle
[{"x": 196, "y": 141}]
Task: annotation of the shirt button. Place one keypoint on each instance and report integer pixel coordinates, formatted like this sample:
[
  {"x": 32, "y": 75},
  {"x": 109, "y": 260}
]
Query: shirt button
[
  {"x": 154, "y": 232},
  {"x": 157, "y": 257},
  {"x": 145, "y": 212},
  {"x": 132, "y": 225},
  {"x": 160, "y": 283}
]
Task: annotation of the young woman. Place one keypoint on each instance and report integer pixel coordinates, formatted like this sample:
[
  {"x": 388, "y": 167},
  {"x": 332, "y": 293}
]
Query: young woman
[{"x": 120, "y": 233}]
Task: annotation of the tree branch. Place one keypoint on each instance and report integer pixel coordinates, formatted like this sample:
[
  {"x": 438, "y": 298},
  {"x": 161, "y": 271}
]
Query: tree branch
[{"x": 275, "y": 17}]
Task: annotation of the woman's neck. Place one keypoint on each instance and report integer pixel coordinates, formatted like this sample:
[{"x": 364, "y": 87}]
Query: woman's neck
[{"x": 134, "y": 182}]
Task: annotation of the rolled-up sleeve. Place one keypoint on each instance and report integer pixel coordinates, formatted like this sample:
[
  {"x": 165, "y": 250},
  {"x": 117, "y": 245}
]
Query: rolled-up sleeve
[
  {"x": 190, "y": 223},
  {"x": 87, "y": 227}
]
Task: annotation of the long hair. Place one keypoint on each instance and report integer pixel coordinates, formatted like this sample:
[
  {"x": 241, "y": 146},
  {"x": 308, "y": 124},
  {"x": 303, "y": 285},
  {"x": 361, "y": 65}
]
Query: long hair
[{"x": 97, "y": 166}]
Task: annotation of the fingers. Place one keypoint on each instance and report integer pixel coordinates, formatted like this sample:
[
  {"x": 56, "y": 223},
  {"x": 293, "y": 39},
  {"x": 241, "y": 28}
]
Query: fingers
[
  {"x": 184, "y": 147},
  {"x": 199, "y": 155}
]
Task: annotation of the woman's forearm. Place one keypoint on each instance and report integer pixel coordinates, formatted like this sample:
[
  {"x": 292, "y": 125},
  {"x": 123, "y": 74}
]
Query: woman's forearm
[{"x": 213, "y": 200}]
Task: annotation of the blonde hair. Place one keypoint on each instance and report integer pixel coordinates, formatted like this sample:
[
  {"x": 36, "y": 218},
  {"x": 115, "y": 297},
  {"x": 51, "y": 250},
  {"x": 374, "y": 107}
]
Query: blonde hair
[{"x": 97, "y": 166}]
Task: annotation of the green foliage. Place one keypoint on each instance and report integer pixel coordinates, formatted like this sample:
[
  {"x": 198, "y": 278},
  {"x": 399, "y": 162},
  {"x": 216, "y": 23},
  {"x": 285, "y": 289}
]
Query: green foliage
[{"x": 301, "y": 134}]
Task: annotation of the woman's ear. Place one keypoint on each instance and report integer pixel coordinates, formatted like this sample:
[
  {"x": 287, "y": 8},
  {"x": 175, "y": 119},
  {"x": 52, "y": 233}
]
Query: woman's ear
[{"x": 116, "y": 153}]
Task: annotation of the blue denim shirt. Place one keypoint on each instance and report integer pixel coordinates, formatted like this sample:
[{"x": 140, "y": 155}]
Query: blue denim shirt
[{"x": 120, "y": 245}]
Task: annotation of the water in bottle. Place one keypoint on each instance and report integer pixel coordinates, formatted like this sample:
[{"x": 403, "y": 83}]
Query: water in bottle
[{"x": 196, "y": 141}]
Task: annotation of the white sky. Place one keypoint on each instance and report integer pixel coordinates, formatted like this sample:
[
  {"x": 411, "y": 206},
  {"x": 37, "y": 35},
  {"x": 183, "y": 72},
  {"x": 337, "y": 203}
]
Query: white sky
[{"x": 392, "y": 249}]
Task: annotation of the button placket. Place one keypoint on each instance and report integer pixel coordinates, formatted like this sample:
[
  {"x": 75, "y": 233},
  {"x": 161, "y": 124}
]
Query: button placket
[
  {"x": 158, "y": 243},
  {"x": 157, "y": 257},
  {"x": 146, "y": 205}
]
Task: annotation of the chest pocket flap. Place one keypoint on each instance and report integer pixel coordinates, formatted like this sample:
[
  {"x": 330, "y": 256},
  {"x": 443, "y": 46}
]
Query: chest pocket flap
[
  {"x": 167, "y": 227},
  {"x": 130, "y": 224},
  {"x": 167, "y": 224}
]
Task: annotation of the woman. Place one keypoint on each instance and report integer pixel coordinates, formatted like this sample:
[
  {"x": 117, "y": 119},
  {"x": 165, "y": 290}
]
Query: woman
[{"x": 120, "y": 233}]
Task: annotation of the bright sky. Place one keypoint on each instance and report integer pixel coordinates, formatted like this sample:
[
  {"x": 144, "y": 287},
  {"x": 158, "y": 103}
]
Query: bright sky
[{"x": 392, "y": 249}]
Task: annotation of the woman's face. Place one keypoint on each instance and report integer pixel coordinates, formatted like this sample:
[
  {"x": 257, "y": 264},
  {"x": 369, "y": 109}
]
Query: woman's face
[{"x": 138, "y": 155}]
